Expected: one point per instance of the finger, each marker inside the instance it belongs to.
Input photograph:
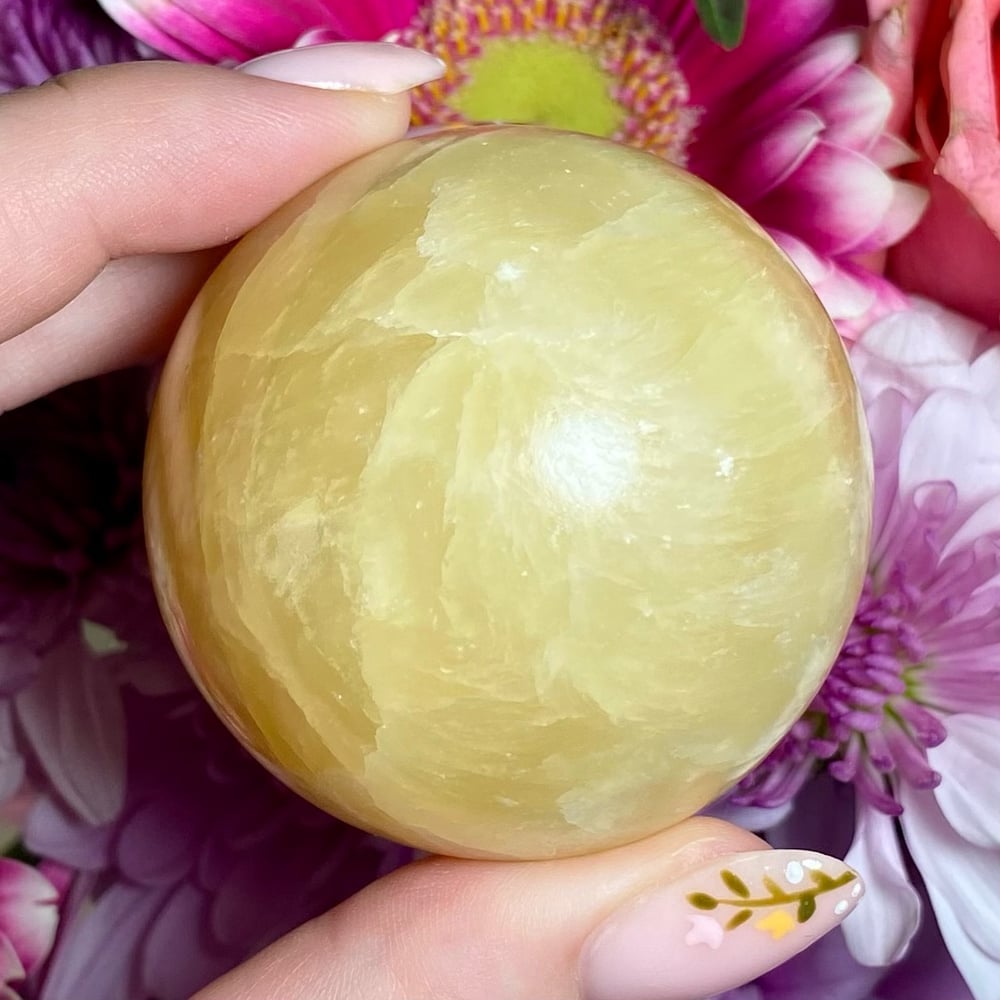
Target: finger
(148, 158)
(637, 923)
(127, 315)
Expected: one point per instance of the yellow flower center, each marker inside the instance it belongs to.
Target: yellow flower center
(598, 66)
(541, 81)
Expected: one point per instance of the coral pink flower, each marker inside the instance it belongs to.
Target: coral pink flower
(941, 62)
(910, 714)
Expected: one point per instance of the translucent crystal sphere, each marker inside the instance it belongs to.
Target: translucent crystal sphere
(508, 493)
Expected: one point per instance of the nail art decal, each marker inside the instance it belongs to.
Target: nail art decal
(779, 903)
(718, 927)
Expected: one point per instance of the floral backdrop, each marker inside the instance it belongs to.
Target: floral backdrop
(864, 137)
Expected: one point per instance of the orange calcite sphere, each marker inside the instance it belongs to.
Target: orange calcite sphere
(508, 493)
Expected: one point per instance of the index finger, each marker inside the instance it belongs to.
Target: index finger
(144, 158)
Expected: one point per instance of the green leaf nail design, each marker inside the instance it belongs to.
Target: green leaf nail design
(772, 887)
(703, 901)
(735, 884)
(821, 880)
(804, 900)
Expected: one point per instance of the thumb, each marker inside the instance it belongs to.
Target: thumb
(699, 909)
(131, 174)
(146, 158)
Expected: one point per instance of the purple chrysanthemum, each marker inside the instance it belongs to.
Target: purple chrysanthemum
(209, 858)
(70, 527)
(42, 38)
(176, 841)
(70, 504)
(910, 714)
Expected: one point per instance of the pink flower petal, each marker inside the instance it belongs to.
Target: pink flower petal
(139, 25)
(28, 911)
(905, 209)
(888, 414)
(951, 255)
(768, 39)
(891, 51)
(805, 75)
(854, 297)
(258, 26)
(157, 844)
(983, 523)
(855, 107)
(970, 789)
(775, 155)
(835, 200)
(11, 762)
(370, 20)
(236, 30)
(320, 36)
(95, 957)
(754, 818)
(952, 438)
(177, 930)
(180, 31)
(11, 969)
(880, 932)
(970, 159)
(985, 376)
(51, 832)
(74, 719)
(890, 152)
(916, 351)
(963, 881)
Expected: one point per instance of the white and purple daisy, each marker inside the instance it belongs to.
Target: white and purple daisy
(910, 714)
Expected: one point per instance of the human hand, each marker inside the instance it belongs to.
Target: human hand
(122, 187)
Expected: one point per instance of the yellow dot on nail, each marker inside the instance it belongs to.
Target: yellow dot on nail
(777, 924)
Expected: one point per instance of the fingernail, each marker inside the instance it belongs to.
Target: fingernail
(718, 927)
(373, 67)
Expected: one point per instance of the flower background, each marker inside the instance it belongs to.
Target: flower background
(138, 830)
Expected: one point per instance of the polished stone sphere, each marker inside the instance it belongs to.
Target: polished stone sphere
(508, 493)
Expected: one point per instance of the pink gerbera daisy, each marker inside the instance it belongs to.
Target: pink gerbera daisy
(788, 124)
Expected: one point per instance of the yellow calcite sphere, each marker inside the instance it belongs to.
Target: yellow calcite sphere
(508, 493)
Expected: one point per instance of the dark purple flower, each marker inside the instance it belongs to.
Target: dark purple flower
(42, 38)
(70, 506)
(208, 857)
(70, 563)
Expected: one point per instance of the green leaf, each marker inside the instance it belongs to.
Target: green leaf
(18, 852)
(739, 918)
(723, 20)
(822, 881)
(703, 901)
(807, 907)
(773, 888)
(735, 884)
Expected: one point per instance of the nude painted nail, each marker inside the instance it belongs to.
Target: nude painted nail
(372, 67)
(718, 927)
